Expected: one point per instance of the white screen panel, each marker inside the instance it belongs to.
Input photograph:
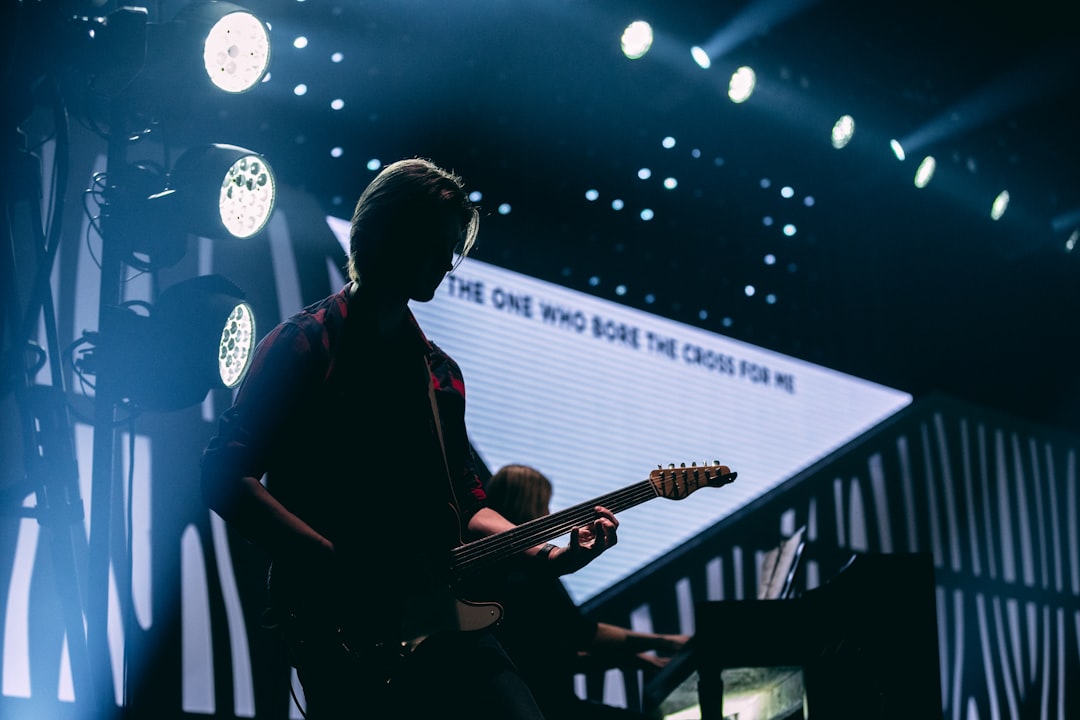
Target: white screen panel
(596, 395)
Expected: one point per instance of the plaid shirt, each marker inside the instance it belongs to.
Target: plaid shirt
(341, 425)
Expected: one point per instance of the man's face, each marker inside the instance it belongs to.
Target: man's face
(435, 246)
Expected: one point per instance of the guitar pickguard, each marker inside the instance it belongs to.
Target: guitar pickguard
(426, 615)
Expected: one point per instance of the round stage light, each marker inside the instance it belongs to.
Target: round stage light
(198, 336)
(236, 53)
(247, 196)
(237, 345)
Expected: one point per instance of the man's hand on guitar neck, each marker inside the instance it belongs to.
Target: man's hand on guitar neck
(587, 541)
(586, 544)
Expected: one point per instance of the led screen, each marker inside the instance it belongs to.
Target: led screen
(597, 394)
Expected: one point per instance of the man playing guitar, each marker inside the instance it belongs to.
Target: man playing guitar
(356, 422)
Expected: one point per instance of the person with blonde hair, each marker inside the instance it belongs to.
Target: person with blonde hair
(345, 457)
(545, 632)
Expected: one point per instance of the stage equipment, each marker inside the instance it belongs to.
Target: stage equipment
(150, 76)
(132, 81)
(123, 53)
(217, 191)
(198, 336)
(231, 45)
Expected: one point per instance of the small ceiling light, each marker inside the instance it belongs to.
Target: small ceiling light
(742, 83)
(700, 57)
(1001, 203)
(925, 171)
(636, 39)
(842, 131)
(898, 149)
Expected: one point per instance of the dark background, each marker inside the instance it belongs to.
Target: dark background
(534, 104)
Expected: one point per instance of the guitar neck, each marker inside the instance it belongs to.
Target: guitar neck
(468, 557)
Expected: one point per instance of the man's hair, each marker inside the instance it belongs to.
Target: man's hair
(402, 192)
(519, 493)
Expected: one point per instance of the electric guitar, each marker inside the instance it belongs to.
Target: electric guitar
(425, 615)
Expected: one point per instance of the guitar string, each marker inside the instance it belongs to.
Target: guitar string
(535, 531)
(496, 547)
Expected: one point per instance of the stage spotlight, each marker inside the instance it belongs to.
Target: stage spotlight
(217, 191)
(232, 45)
(224, 188)
(198, 336)
(125, 55)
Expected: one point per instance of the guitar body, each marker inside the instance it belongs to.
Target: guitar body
(433, 606)
(426, 615)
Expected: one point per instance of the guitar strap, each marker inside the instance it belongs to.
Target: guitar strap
(442, 444)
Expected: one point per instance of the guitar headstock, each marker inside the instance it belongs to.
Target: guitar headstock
(675, 483)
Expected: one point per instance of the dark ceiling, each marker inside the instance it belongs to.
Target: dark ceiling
(534, 104)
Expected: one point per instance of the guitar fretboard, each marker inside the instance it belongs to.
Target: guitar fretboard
(468, 557)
